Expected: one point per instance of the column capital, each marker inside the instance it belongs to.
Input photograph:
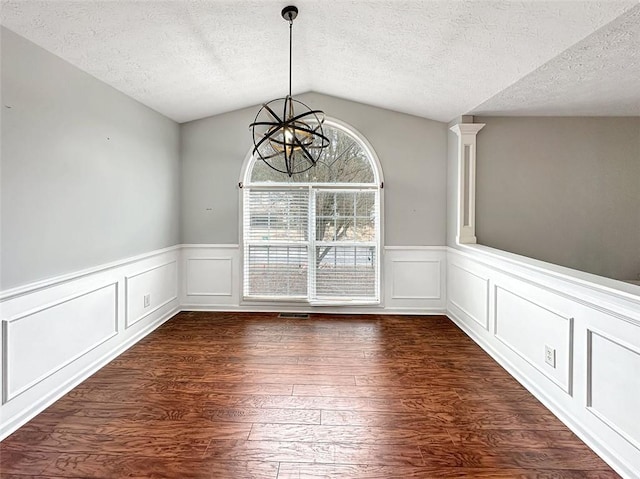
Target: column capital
(462, 129)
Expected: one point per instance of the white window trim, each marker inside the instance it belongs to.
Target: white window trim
(377, 185)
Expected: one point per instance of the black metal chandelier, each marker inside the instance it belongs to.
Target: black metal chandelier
(287, 134)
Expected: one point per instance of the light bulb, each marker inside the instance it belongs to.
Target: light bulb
(289, 136)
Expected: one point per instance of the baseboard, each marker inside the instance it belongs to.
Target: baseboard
(310, 309)
(64, 388)
(613, 460)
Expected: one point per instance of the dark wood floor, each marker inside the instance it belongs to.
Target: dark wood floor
(250, 395)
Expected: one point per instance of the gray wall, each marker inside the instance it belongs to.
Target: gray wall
(412, 152)
(88, 174)
(562, 190)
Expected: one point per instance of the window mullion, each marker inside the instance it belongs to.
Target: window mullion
(311, 267)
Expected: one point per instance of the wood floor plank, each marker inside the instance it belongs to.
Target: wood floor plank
(241, 395)
(365, 471)
(110, 466)
(467, 421)
(505, 439)
(414, 390)
(270, 451)
(524, 457)
(378, 454)
(448, 379)
(268, 415)
(24, 461)
(348, 434)
(203, 428)
(204, 368)
(106, 392)
(68, 406)
(390, 404)
(181, 444)
(200, 375)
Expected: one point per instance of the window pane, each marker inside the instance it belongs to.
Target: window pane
(336, 218)
(325, 228)
(366, 204)
(345, 272)
(276, 271)
(365, 229)
(345, 204)
(325, 204)
(277, 215)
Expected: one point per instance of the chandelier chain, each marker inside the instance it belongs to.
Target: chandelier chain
(290, 49)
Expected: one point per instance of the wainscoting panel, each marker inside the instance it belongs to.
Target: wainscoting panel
(414, 278)
(404, 276)
(468, 291)
(528, 328)
(592, 327)
(39, 342)
(211, 277)
(150, 290)
(57, 332)
(613, 394)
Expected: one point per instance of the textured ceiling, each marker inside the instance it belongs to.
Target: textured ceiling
(598, 76)
(438, 59)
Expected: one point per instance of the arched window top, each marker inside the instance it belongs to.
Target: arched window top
(349, 159)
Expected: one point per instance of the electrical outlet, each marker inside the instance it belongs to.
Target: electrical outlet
(147, 300)
(550, 356)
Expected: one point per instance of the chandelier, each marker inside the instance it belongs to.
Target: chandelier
(287, 134)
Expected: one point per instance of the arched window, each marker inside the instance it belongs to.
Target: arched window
(315, 236)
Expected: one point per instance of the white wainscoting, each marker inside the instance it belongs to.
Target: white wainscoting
(611, 392)
(470, 293)
(59, 332)
(413, 282)
(414, 279)
(211, 277)
(513, 307)
(514, 327)
(56, 333)
(159, 283)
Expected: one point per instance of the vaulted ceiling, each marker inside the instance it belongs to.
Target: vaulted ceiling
(190, 59)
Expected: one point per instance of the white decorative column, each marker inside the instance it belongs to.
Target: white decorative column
(466, 217)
